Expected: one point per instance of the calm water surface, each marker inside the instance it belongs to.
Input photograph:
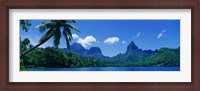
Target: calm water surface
(107, 69)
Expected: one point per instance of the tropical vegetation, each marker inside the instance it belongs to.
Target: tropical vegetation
(55, 57)
(34, 56)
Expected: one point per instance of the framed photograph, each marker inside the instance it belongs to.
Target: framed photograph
(100, 45)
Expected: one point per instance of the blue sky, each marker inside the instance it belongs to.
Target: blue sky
(113, 36)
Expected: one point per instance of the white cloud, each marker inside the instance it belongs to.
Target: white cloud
(138, 34)
(161, 33)
(98, 42)
(75, 36)
(85, 42)
(111, 40)
(124, 42)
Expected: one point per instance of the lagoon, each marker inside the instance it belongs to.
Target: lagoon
(154, 68)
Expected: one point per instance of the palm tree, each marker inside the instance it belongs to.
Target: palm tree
(54, 27)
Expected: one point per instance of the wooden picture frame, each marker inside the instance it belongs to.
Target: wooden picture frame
(99, 4)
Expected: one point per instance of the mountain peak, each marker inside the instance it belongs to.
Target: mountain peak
(77, 48)
(76, 44)
(132, 46)
(94, 50)
(132, 43)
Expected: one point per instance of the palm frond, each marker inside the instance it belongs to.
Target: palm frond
(63, 21)
(46, 35)
(44, 25)
(67, 39)
(69, 21)
(56, 37)
(72, 27)
(68, 31)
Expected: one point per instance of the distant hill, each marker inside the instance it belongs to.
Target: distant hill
(93, 52)
(78, 49)
(133, 54)
(164, 57)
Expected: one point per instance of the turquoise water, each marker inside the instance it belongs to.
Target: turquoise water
(107, 69)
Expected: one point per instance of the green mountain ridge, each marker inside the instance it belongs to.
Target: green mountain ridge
(133, 54)
(164, 57)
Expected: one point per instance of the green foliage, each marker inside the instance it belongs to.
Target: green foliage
(22, 47)
(25, 25)
(131, 56)
(53, 57)
(25, 45)
(74, 60)
(22, 67)
(48, 57)
(165, 57)
(26, 41)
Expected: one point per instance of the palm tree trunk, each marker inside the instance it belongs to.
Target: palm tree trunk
(24, 53)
